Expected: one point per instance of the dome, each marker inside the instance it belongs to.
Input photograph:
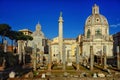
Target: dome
(96, 24)
(96, 18)
(38, 31)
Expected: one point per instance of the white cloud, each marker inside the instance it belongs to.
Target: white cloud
(115, 25)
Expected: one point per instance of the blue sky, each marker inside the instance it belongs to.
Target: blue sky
(22, 14)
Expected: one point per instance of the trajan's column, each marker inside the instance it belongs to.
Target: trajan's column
(60, 36)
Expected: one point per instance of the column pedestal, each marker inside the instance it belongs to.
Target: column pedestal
(78, 67)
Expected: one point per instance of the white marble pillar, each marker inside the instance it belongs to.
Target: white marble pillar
(105, 59)
(34, 56)
(49, 58)
(5, 45)
(23, 51)
(118, 57)
(77, 57)
(20, 50)
(68, 56)
(101, 57)
(91, 58)
(60, 35)
(41, 56)
(64, 58)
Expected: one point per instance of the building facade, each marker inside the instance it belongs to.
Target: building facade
(26, 31)
(38, 39)
(69, 49)
(116, 38)
(96, 34)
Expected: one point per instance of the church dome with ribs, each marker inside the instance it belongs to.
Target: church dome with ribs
(96, 24)
(96, 17)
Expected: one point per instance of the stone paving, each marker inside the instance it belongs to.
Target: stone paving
(65, 78)
(82, 74)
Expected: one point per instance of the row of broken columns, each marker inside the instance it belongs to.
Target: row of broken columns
(105, 58)
(78, 58)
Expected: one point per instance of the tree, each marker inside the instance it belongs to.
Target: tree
(21, 36)
(15, 35)
(4, 28)
(12, 35)
(24, 38)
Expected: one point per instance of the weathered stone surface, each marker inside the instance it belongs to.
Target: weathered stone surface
(29, 75)
(108, 71)
(76, 76)
(43, 75)
(94, 75)
(88, 67)
(12, 74)
(109, 75)
(69, 64)
(65, 74)
(83, 74)
(48, 73)
(52, 76)
(101, 75)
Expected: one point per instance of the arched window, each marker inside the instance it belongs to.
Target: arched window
(88, 33)
(98, 32)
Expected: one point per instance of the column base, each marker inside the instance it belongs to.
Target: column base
(49, 67)
(78, 67)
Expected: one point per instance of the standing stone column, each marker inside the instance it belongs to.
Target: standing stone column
(23, 51)
(91, 58)
(118, 58)
(105, 60)
(77, 57)
(101, 58)
(41, 56)
(5, 45)
(20, 51)
(34, 56)
(64, 58)
(49, 58)
(60, 37)
(59, 57)
(68, 55)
